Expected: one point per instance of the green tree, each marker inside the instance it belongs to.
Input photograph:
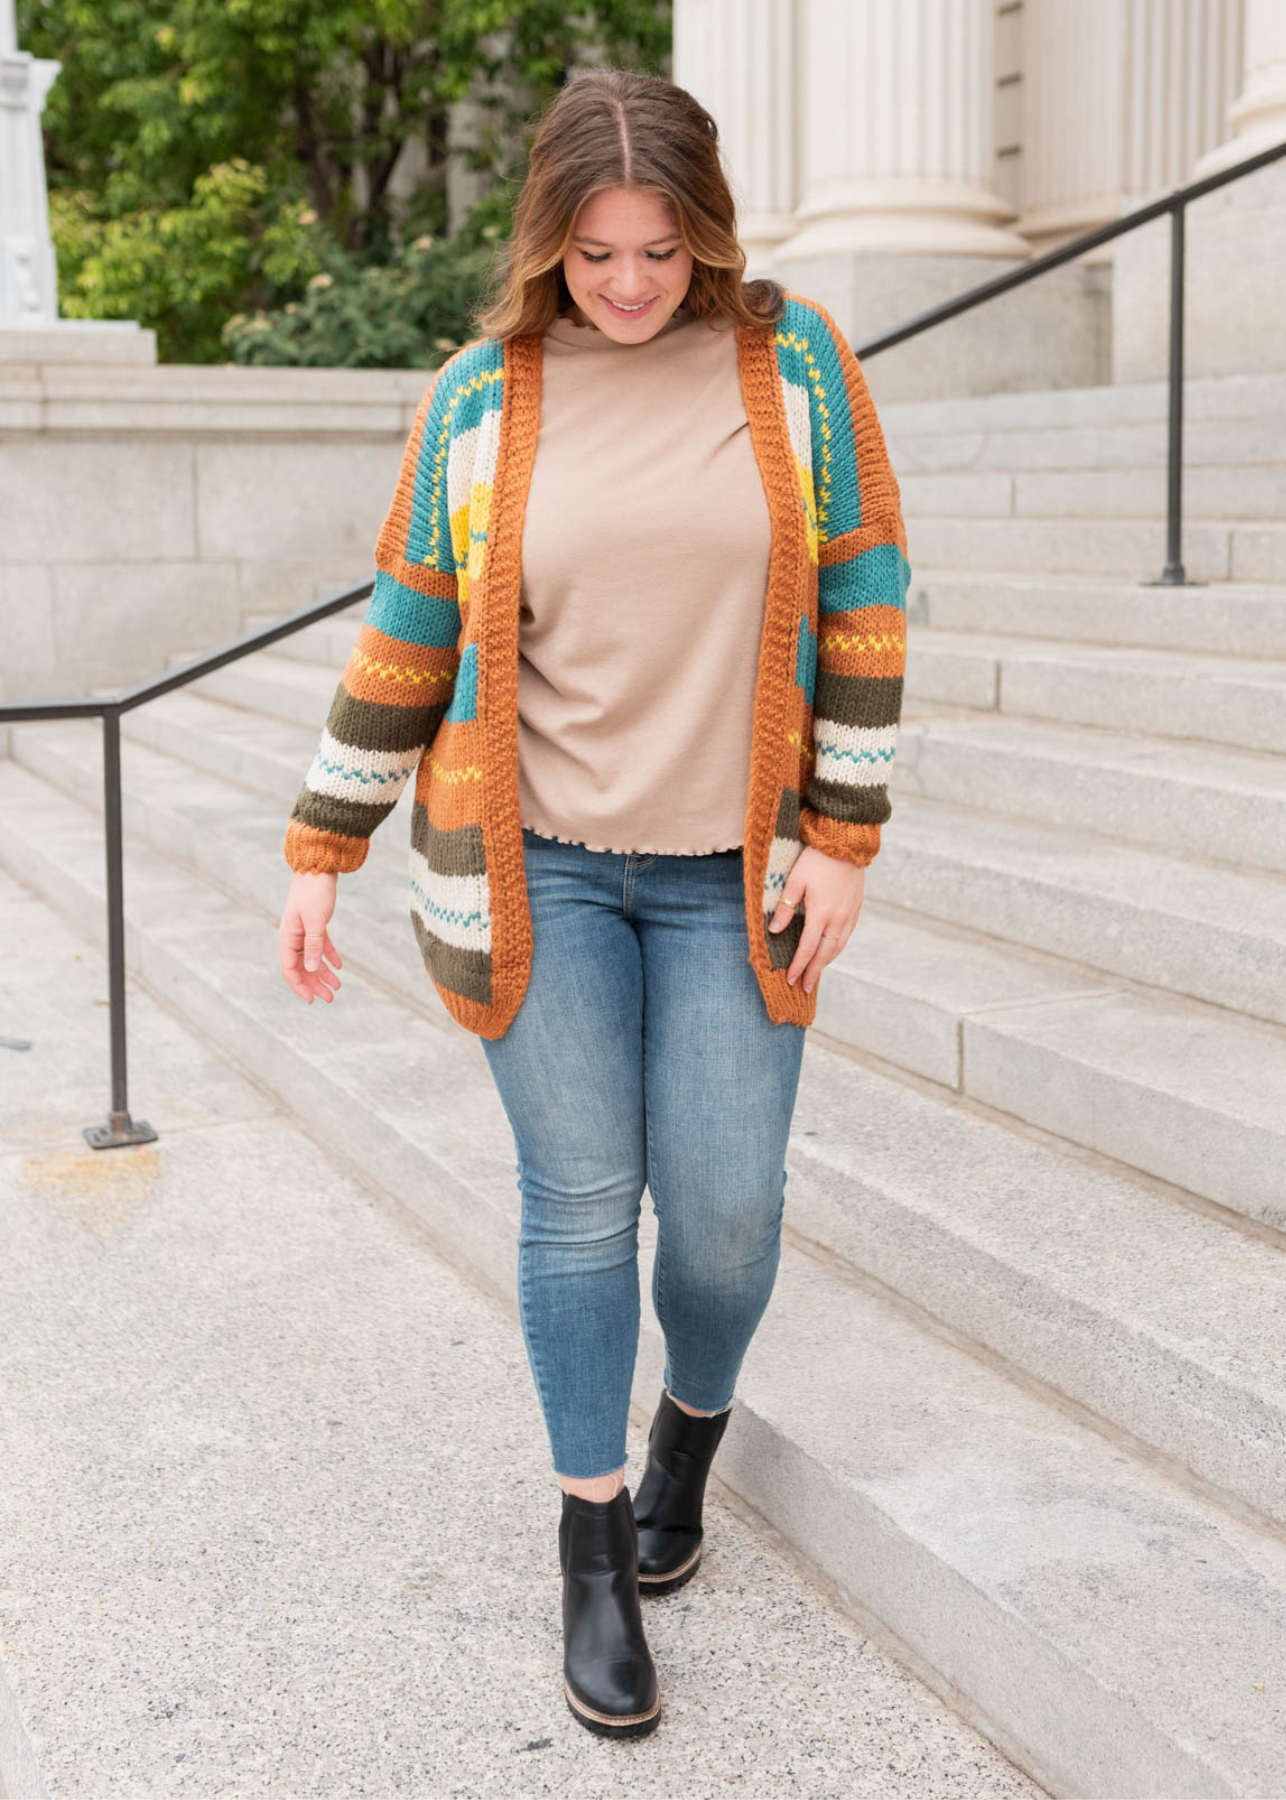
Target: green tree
(209, 158)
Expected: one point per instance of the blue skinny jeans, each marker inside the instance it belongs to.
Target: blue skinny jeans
(642, 1055)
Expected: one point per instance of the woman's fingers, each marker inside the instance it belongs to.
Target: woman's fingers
(306, 953)
(826, 950)
(825, 888)
(811, 955)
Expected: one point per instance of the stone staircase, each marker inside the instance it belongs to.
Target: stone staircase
(1021, 1391)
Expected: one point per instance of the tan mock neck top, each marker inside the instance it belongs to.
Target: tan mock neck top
(644, 576)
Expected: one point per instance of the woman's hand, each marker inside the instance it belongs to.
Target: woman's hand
(832, 888)
(303, 938)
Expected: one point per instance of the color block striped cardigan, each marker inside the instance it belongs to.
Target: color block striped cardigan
(430, 689)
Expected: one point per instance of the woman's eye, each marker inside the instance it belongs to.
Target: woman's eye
(653, 256)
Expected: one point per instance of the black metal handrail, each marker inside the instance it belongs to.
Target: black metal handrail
(1176, 204)
(120, 1128)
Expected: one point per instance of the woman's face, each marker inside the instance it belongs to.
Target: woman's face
(626, 254)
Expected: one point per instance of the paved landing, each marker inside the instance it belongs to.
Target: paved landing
(276, 1512)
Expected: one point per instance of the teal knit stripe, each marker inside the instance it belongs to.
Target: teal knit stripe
(813, 362)
(365, 776)
(400, 612)
(880, 576)
(469, 385)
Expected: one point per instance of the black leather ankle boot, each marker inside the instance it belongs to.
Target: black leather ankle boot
(667, 1506)
(608, 1670)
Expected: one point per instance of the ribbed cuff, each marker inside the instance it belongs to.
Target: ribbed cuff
(856, 844)
(312, 852)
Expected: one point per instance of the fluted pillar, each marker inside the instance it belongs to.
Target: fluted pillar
(896, 105)
(1235, 256)
(1118, 98)
(738, 58)
(1257, 117)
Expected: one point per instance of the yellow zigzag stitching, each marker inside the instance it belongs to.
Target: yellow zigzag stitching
(795, 737)
(472, 773)
(474, 385)
(874, 640)
(793, 342)
(388, 671)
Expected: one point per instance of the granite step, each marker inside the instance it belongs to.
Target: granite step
(1195, 928)
(1188, 1092)
(1166, 794)
(1214, 444)
(202, 821)
(1221, 618)
(1241, 489)
(267, 754)
(1227, 549)
(1116, 1631)
(1237, 701)
(1143, 791)
(299, 692)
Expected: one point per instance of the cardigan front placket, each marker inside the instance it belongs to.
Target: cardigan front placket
(496, 597)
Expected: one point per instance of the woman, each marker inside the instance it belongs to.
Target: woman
(646, 785)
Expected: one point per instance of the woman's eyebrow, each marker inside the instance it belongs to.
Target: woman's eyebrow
(578, 239)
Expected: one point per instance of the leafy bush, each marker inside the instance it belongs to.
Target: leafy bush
(183, 268)
(409, 313)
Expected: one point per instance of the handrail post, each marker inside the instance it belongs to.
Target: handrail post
(120, 1128)
(1173, 573)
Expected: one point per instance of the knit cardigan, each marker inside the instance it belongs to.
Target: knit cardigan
(430, 688)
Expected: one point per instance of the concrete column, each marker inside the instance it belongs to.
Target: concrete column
(896, 111)
(1119, 96)
(739, 59)
(898, 210)
(1235, 264)
(1257, 117)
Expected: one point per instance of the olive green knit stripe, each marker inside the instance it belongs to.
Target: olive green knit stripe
(465, 972)
(864, 805)
(375, 725)
(783, 944)
(787, 825)
(347, 818)
(456, 852)
(870, 701)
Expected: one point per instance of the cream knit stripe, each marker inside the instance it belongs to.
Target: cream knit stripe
(853, 755)
(455, 908)
(351, 772)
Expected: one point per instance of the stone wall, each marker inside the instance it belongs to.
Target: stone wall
(145, 510)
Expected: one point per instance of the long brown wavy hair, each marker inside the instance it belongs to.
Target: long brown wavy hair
(610, 128)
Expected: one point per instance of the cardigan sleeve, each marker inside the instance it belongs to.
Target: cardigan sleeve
(398, 681)
(863, 575)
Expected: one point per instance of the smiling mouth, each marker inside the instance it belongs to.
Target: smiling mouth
(628, 312)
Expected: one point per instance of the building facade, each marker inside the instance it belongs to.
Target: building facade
(890, 153)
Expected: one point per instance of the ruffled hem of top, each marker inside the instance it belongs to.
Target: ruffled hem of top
(638, 850)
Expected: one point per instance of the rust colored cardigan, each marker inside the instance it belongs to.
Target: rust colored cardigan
(430, 689)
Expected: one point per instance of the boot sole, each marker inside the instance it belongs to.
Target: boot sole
(673, 1578)
(613, 1724)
